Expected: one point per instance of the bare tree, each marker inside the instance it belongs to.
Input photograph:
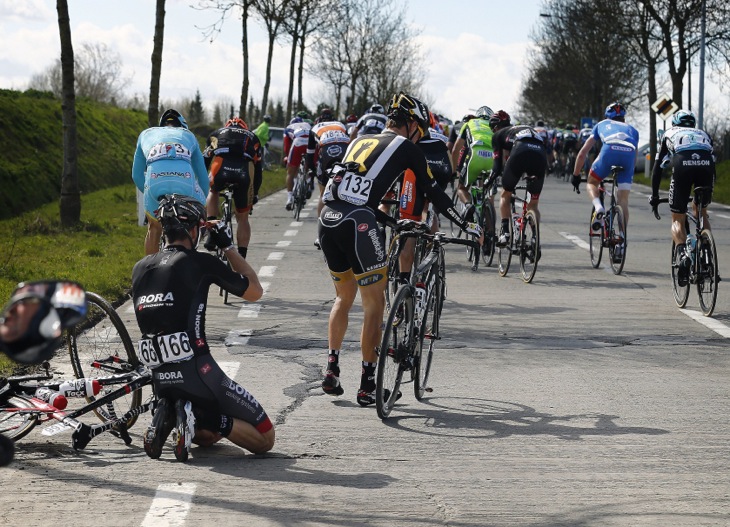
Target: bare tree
(153, 108)
(225, 7)
(70, 203)
(272, 13)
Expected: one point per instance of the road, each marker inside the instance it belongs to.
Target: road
(582, 399)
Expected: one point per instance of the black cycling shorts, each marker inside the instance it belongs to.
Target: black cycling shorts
(690, 168)
(529, 158)
(202, 382)
(230, 172)
(352, 243)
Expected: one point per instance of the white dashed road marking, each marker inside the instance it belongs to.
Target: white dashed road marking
(291, 232)
(576, 240)
(715, 325)
(249, 311)
(283, 243)
(267, 270)
(275, 256)
(170, 505)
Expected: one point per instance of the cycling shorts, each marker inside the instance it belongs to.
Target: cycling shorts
(233, 173)
(480, 158)
(352, 243)
(159, 186)
(570, 144)
(607, 157)
(296, 153)
(527, 157)
(201, 381)
(328, 155)
(690, 168)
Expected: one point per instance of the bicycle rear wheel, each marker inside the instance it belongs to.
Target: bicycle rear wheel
(103, 337)
(455, 229)
(476, 217)
(707, 272)
(681, 292)
(227, 218)
(300, 197)
(529, 247)
(617, 240)
(504, 254)
(15, 425)
(429, 333)
(488, 218)
(595, 240)
(395, 348)
(393, 271)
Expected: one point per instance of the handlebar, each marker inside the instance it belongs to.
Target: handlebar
(655, 209)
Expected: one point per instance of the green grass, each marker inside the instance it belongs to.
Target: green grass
(99, 253)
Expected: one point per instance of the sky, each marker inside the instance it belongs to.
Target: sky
(475, 50)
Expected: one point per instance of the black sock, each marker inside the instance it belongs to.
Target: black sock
(226, 425)
(367, 381)
(333, 360)
(211, 218)
(243, 251)
(505, 225)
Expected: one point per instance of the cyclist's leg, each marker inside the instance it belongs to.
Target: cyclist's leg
(154, 233)
(212, 206)
(599, 170)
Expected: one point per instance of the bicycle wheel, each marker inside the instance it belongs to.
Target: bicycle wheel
(504, 254)
(15, 425)
(102, 336)
(428, 335)
(617, 240)
(707, 272)
(488, 218)
(595, 241)
(393, 271)
(529, 247)
(300, 197)
(227, 217)
(455, 229)
(395, 348)
(475, 217)
(681, 292)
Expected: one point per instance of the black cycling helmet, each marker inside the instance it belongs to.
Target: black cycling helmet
(377, 108)
(615, 110)
(407, 107)
(172, 117)
(267, 118)
(540, 123)
(325, 115)
(501, 118)
(180, 213)
(468, 117)
(684, 118)
(484, 112)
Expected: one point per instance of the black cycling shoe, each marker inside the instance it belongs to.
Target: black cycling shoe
(163, 421)
(331, 383)
(184, 431)
(365, 398)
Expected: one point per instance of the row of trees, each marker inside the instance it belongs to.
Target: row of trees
(590, 52)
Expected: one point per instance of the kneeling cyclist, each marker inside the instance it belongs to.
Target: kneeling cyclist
(170, 290)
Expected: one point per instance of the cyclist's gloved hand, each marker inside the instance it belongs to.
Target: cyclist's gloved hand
(575, 181)
(654, 201)
(255, 200)
(474, 229)
(221, 235)
(406, 225)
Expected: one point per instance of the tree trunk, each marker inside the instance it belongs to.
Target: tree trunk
(290, 93)
(153, 110)
(300, 73)
(244, 46)
(267, 83)
(70, 203)
(652, 119)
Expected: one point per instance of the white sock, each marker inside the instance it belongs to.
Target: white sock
(597, 204)
(289, 194)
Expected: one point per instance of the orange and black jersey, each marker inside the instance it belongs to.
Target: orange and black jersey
(373, 163)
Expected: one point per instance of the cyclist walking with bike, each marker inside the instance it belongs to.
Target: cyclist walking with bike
(164, 160)
(351, 240)
(619, 141)
(517, 150)
(688, 150)
(170, 292)
(234, 152)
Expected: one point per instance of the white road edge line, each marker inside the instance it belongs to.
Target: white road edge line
(710, 323)
(170, 505)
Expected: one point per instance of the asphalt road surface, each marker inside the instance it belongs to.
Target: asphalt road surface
(582, 399)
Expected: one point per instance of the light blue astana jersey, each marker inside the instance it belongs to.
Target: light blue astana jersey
(168, 160)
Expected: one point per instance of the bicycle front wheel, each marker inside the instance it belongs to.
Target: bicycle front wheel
(488, 228)
(617, 240)
(393, 270)
(504, 254)
(595, 240)
(529, 247)
(15, 425)
(103, 338)
(681, 292)
(429, 334)
(707, 272)
(455, 229)
(395, 349)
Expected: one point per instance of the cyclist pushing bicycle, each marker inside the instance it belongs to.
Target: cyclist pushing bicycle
(170, 291)
(232, 152)
(688, 150)
(351, 240)
(518, 150)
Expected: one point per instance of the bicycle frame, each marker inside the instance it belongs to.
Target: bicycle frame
(611, 234)
(519, 222)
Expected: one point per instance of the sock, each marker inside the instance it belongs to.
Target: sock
(333, 362)
(211, 218)
(226, 425)
(505, 224)
(243, 251)
(367, 381)
(289, 193)
(597, 204)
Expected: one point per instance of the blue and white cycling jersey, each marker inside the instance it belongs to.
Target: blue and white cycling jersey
(618, 147)
(168, 160)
